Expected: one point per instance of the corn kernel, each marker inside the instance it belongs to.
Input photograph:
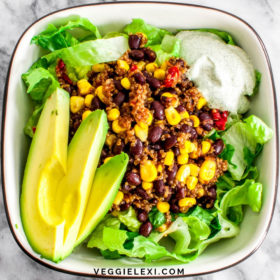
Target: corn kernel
(195, 120)
(163, 207)
(141, 65)
(148, 171)
(200, 192)
(207, 170)
(150, 118)
(169, 158)
(184, 115)
(86, 114)
(162, 228)
(111, 139)
(159, 74)
(116, 127)
(141, 131)
(183, 159)
(84, 87)
(107, 159)
(164, 65)
(201, 102)
(172, 115)
(122, 64)
(183, 173)
(100, 94)
(147, 185)
(188, 147)
(194, 169)
(187, 202)
(159, 168)
(119, 198)
(98, 67)
(205, 147)
(191, 182)
(125, 83)
(76, 103)
(113, 114)
(151, 67)
(88, 99)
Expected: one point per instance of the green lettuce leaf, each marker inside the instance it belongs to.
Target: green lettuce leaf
(129, 219)
(55, 38)
(225, 36)
(169, 47)
(154, 34)
(245, 136)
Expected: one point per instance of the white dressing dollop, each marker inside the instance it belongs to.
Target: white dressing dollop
(223, 73)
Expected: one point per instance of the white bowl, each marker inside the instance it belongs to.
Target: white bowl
(112, 17)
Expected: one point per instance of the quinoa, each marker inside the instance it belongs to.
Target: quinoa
(147, 134)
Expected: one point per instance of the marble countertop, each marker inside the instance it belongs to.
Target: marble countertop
(16, 15)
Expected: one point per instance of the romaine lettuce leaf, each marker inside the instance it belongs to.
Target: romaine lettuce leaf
(129, 219)
(55, 38)
(245, 135)
(225, 36)
(154, 34)
(156, 217)
(169, 47)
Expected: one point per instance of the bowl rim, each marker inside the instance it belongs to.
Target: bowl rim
(4, 109)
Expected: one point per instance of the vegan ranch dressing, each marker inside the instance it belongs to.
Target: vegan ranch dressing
(223, 73)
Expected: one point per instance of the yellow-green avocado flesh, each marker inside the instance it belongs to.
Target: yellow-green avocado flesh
(105, 186)
(57, 183)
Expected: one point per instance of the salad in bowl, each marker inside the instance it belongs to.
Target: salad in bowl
(141, 142)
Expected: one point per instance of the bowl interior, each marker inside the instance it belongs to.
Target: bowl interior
(112, 17)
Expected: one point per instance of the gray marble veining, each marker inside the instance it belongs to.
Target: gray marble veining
(16, 15)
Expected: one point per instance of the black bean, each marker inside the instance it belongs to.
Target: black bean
(181, 109)
(119, 98)
(189, 129)
(158, 110)
(176, 151)
(204, 116)
(141, 192)
(95, 103)
(207, 126)
(145, 229)
(146, 74)
(170, 142)
(174, 206)
(212, 193)
(133, 179)
(150, 55)
(155, 133)
(181, 62)
(118, 85)
(134, 41)
(218, 146)
(139, 78)
(171, 90)
(153, 82)
(155, 147)
(137, 148)
(171, 174)
(124, 206)
(118, 147)
(159, 187)
(136, 54)
(142, 216)
(181, 193)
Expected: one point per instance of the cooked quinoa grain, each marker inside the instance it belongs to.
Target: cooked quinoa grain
(159, 118)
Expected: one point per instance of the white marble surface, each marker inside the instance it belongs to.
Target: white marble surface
(263, 15)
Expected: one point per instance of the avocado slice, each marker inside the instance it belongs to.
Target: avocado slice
(82, 160)
(57, 183)
(45, 167)
(104, 189)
